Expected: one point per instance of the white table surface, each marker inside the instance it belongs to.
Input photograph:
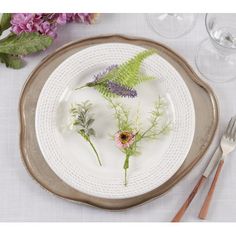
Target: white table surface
(21, 199)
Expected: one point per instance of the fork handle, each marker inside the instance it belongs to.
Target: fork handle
(205, 207)
(186, 204)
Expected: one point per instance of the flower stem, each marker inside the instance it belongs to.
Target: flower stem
(84, 86)
(126, 167)
(126, 182)
(94, 149)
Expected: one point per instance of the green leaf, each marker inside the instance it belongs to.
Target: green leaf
(5, 22)
(24, 44)
(143, 78)
(11, 61)
(91, 132)
(90, 122)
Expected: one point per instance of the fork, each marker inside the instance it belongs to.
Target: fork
(227, 144)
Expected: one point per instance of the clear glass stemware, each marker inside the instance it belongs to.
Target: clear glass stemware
(216, 55)
(171, 25)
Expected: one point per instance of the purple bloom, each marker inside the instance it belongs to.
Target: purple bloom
(48, 29)
(100, 75)
(81, 17)
(113, 87)
(28, 22)
(25, 22)
(62, 19)
(46, 23)
(121, 90)
(59, 18)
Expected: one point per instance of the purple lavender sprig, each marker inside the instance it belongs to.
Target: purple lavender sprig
(121, 90)
(111, 86)
(101, 74)
(97, 78)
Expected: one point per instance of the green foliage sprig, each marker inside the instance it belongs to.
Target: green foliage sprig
(131, 128)
(119, 81)
(81, 122)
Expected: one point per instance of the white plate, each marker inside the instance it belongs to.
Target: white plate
(71, 158)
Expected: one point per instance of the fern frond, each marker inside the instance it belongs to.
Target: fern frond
(104, 91)
(143, 78)
(128, 73)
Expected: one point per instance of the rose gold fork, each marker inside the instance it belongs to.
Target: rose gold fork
(227, 147)
(228, 144)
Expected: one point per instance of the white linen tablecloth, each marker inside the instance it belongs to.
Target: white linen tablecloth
(21, 199)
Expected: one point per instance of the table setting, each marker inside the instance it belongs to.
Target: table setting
(121, 117)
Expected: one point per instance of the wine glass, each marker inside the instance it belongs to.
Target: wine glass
(216, 55)
(171, 25)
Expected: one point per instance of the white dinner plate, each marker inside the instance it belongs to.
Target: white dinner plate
(72, 159)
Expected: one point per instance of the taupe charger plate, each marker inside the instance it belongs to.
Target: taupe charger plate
(206, 112)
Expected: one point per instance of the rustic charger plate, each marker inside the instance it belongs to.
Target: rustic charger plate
(203, 98)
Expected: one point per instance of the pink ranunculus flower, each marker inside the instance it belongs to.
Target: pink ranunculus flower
(124, 139)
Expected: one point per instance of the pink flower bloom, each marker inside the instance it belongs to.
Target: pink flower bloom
(62, 19)
(82, 17)
(59, 18)
(46, 23)
(48, 29)
(88, 18)
(25, 22)
(28, 22)
(124, 139)
(70, 17)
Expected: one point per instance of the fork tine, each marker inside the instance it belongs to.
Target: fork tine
(228, 129)
(233, 131)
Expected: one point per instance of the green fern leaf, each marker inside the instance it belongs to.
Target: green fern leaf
(143, 78)
(128, 74)
(103, 89)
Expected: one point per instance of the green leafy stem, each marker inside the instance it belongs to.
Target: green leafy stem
(87, 138)
(155, 130)
(81, 121)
